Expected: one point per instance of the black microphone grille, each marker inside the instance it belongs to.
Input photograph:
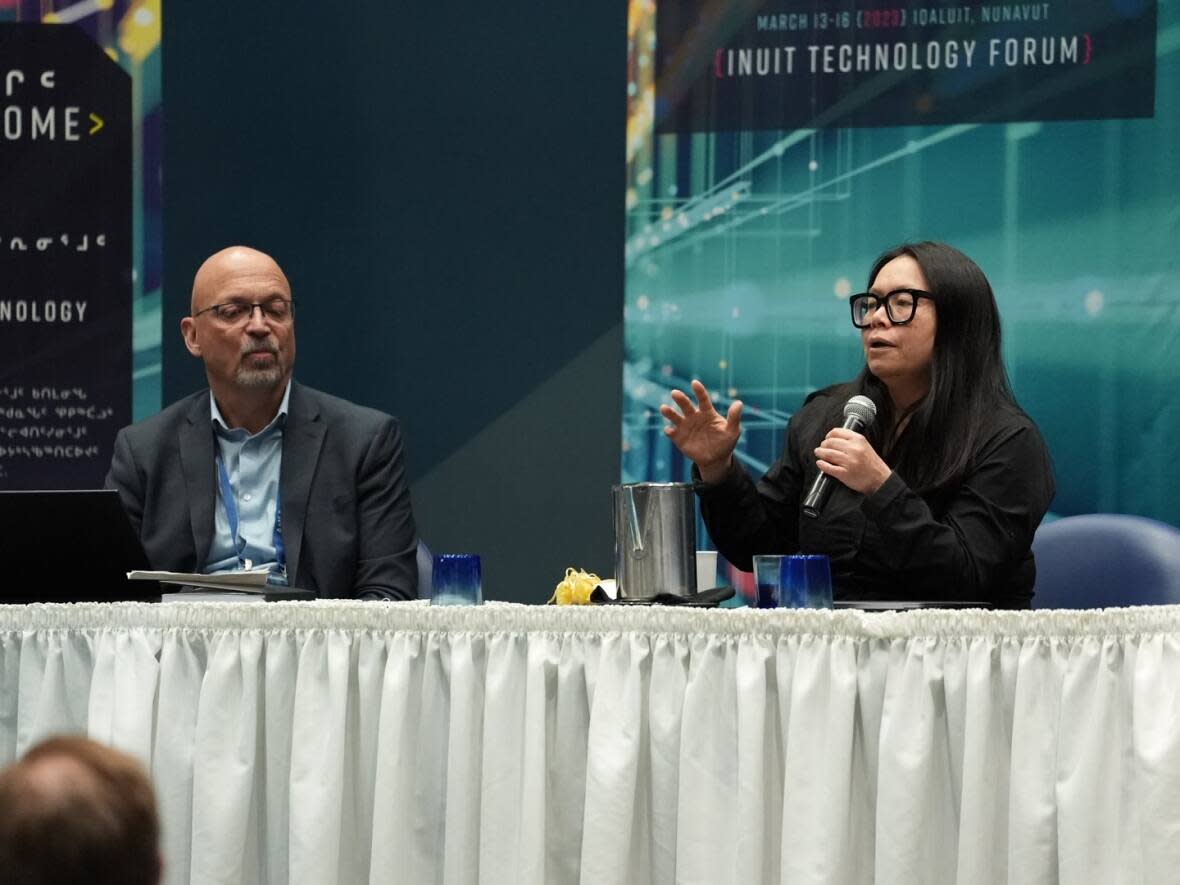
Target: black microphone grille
(863, 408)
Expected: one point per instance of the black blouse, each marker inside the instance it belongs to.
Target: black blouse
(969, 541)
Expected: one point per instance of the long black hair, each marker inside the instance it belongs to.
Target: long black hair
(967, 375)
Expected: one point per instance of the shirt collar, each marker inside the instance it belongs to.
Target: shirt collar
(219, 422)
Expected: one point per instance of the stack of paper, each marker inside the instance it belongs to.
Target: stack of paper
(244, 586)
(249, 581)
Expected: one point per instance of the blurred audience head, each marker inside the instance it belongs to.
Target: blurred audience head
(73, 811)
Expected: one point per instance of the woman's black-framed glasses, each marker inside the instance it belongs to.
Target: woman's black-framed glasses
(277, 310)
(900, 305)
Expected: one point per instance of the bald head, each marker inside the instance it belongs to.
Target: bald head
(220, 269)
(242, 327)
(54, 774)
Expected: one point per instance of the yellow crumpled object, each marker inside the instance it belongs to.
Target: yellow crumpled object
(576, 588)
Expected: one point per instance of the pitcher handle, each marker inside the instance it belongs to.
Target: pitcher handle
(633, 519)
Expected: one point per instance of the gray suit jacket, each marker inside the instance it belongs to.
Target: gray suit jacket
(347, 525)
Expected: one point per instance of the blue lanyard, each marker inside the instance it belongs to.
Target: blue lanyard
(231, 513)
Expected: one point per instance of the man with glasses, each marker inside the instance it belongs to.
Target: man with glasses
(259, 471)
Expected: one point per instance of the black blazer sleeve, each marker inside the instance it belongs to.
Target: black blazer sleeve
(126, 478)
(387, 542)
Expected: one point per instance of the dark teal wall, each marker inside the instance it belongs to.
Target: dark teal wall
(443, 184)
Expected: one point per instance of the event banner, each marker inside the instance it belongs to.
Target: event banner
(67, 255)
(782, 63)
(775, 148)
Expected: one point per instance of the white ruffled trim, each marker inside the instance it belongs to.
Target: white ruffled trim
(492, 618)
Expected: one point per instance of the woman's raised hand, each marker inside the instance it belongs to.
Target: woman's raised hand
(704, 435)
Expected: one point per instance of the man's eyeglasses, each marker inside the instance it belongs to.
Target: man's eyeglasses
(277, 310)
(900, 305)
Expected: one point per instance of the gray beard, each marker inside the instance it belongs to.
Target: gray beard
(255, 378)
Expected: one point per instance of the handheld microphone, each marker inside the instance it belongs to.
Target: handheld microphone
(859, 414)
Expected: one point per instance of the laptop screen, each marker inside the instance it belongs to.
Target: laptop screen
(69, 546)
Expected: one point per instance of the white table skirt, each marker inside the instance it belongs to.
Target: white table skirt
(341, 742)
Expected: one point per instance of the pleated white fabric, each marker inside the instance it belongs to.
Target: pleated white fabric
(341, 742)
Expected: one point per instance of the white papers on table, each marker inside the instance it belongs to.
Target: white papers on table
(246, 581)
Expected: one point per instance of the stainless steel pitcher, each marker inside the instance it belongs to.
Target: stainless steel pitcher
(655, 538)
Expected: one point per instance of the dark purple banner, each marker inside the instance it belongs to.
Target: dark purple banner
(785, 65)
(65, 257)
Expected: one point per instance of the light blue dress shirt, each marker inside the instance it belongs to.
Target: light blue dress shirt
(253, 465)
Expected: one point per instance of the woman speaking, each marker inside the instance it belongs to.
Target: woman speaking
(939, 497)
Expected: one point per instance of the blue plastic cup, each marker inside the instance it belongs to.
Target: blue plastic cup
(810, 581)
(769, 580)
(793, 581)
(457, 579)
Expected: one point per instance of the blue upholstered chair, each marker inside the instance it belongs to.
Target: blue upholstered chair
(1101, 560)
(425, 571)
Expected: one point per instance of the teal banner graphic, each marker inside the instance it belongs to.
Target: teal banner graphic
(744, 242)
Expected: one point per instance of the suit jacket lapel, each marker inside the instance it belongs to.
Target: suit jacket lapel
(197, 465)
(303, 437)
